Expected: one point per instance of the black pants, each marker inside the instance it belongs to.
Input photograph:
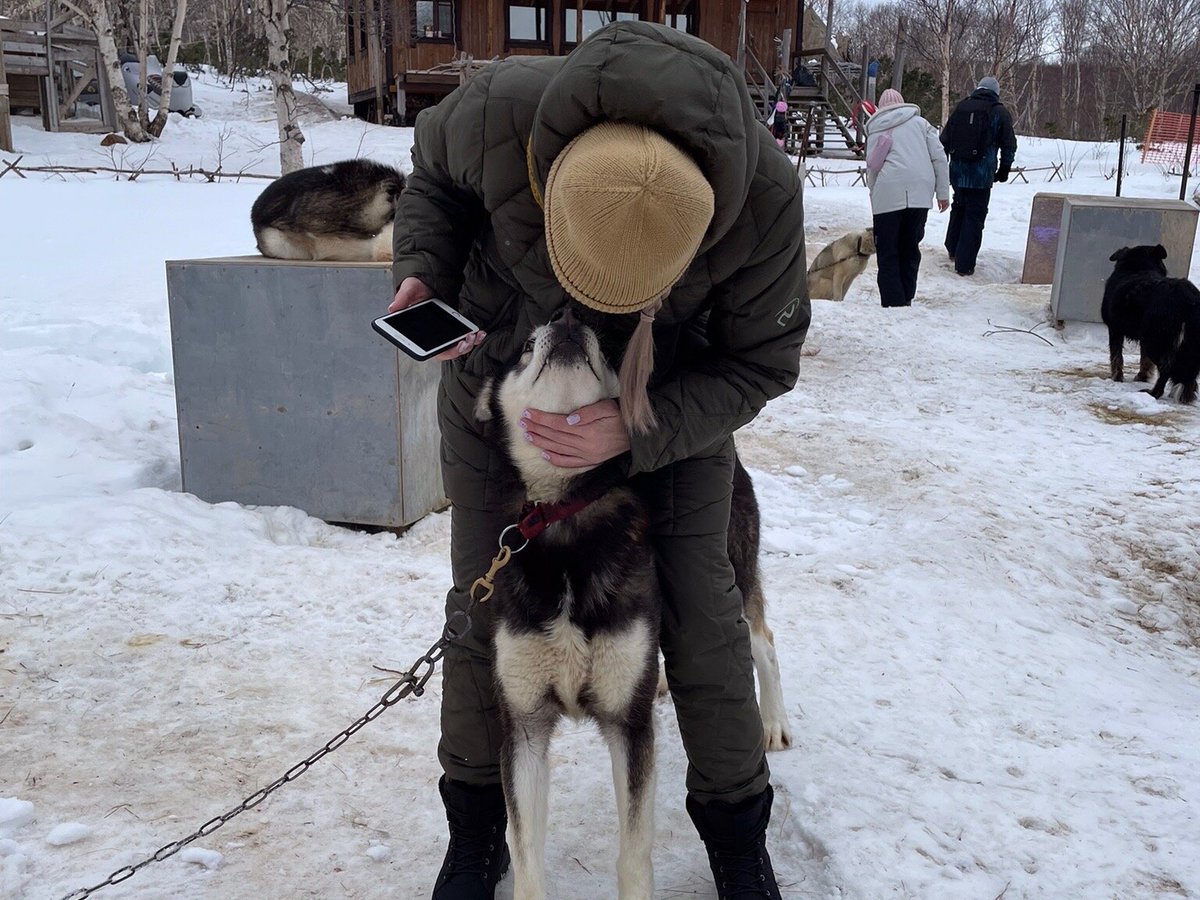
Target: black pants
(705, 638)
(898, 252)
(965, 233)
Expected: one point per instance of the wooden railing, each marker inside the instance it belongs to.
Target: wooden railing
(49, 51)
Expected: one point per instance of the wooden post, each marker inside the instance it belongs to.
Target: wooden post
(827, 56)
(375, 61)
(49, 88)
(108, 111)
(898, 56)
(6, 140)
(741, 45)
(785, 53)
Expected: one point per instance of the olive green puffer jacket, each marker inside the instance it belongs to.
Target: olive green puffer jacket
(470, 225)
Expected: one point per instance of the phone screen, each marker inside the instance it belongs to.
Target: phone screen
(427, 325)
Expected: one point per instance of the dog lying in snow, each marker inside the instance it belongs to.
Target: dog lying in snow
(592, 651)
(834, 269)
(342, 211)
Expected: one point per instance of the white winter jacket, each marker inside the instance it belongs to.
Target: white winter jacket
(915, 169)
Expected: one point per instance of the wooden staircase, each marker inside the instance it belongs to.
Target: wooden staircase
(825, 119)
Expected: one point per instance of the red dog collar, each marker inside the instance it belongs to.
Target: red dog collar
(537, 517)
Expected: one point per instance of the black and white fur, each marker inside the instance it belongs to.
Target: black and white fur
(577, 613)
(1162, 314)
(342, 211)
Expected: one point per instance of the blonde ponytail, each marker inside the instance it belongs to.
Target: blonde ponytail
(636, 367)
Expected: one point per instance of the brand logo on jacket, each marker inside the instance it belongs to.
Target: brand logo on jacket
(788, 312)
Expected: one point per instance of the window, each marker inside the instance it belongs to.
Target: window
(681, 15)
(434, 19)
(596, 15)
(363, 11)
(528, 22)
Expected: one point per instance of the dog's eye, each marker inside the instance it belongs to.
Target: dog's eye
(528, 348)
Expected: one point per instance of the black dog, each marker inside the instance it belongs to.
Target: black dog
(1162, 314)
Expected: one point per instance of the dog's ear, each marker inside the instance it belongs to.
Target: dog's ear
(1118, 255)
(1160, 252)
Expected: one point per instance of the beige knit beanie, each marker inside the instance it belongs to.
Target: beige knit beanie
(625, 213)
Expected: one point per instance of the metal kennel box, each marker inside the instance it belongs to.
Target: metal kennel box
(287, 397)
(1041, 240)
(1093, 227)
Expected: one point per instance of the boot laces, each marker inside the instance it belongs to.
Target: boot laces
(472, 852)
(741, 873)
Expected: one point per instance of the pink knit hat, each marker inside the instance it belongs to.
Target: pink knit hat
(890, 97)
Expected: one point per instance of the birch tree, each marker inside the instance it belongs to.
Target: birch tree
(106, 35)
(1073, 26)
(938, 33)
(274, 14)
(168, 75)
(1153, 43)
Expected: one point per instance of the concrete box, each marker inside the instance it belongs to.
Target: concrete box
(287, 397)
(1092, 228)
(1041, 241)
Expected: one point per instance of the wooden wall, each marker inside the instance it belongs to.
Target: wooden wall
(482, 33)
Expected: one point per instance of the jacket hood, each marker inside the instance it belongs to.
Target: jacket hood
(891, 116)
(985, 94)
(701, 103)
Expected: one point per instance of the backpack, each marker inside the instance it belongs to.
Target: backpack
(968, 133)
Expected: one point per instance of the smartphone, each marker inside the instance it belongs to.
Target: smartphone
(425, 329)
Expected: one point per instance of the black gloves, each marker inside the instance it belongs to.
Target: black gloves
(1002, 175)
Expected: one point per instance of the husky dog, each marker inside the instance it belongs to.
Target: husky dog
(577, 611)
(342, 211)
(1162, 314)
(837, 265)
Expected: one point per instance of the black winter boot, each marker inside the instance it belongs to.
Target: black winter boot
(735, 835)
(477, 857)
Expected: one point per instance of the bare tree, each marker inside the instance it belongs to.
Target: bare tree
(1007, 38)
(98, 12)
(938, 33)
(1073, 31)
(156, 126)
(870, 25)
(1152, 42)
(274, 15)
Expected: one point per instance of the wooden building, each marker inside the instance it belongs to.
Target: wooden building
(47, 66)
(405, 55)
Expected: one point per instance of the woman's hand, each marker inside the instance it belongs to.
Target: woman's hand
(413, 290)
(587, 437)
(943, 205)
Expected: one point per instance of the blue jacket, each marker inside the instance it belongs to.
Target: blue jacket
(981, 173)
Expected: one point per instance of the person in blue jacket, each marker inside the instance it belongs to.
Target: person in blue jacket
(978, 158)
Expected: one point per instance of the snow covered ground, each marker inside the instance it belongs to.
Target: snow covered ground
(981, 559)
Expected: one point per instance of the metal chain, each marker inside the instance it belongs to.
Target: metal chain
(458, 623)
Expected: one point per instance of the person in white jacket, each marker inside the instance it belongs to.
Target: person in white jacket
(906, 168)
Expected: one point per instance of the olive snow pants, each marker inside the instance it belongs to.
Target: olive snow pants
(705, 638)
